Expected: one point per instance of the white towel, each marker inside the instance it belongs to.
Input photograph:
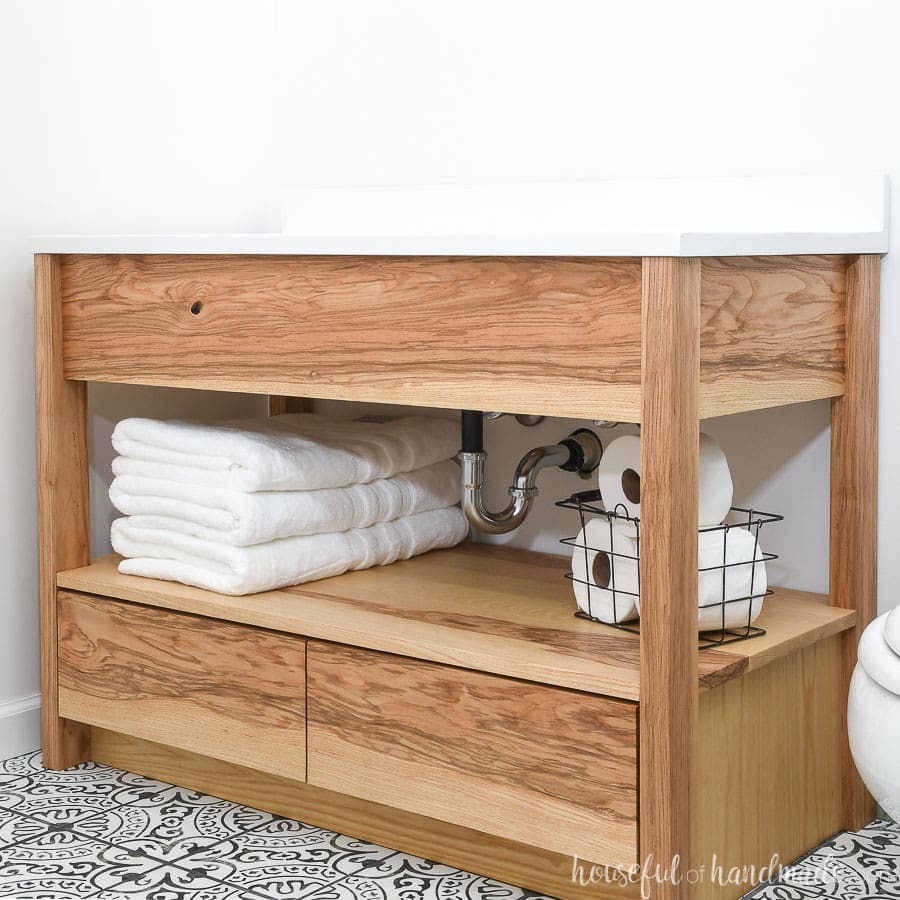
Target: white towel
(298, 452)
(245, 570)
(242, 518)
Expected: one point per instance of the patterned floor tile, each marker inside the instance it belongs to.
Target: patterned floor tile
(412, 878)
(173, 823)
(863, 865)
(286, 859)
(172, 883)
(66, 862)
(75, 794)
(15, 828)
(26, 764)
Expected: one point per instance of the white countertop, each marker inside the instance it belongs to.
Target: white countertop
(765, 215)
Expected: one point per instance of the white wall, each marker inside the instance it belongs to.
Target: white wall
(408, 92)
(113, 117)
(181, 116)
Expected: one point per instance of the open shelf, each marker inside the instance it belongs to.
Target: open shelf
(476, 606)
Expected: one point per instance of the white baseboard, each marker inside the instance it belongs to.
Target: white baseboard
(20, 726)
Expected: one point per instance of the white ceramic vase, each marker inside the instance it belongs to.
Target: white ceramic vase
(873, 714)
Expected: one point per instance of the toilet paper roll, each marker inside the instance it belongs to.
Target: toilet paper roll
(619, 476)
(605, 570)
(619, 479)
(719, 599)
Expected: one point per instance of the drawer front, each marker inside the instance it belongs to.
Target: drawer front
(546, 766)
(233, 692)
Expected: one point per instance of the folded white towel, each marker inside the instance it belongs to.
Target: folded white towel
(245, 570)
(298, 452)
(241, 518)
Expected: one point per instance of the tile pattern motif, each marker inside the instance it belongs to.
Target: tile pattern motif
(862, 865)
(104, 834)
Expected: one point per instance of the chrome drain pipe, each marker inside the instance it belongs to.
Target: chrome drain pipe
(580, 452)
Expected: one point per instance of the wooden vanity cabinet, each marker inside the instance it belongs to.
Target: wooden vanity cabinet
(451, 705)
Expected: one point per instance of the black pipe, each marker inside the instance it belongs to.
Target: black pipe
(472, 431)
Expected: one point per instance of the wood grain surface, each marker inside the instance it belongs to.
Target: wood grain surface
(63, 500)
(669, 473)
(539, 765)
(854, 491)
(523, 334)
(278, 405)
(463, 848)
(234, 692)
(771, 331)
(492, 608)
(770, 764)
(528, 334)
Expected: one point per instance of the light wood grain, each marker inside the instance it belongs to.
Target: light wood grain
(543, 766)
(459, 332)
(278, 405)
(771, 331)
(669, 466)
(770, 763)
(234, 692)
(792, 620)
(491, 608)
(854, 490)
(463, 848)
(499, 333)
(63, 501)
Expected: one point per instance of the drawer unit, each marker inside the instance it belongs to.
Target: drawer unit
(233, 692)
(545, 766)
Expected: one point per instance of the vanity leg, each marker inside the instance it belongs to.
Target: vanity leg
(854, 494)
(63, 502)
(669, 721)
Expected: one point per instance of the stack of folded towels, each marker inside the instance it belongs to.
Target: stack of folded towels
(257, 505)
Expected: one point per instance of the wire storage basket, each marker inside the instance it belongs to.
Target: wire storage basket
(731, 570)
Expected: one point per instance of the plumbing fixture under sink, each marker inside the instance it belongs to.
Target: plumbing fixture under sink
(580, 452)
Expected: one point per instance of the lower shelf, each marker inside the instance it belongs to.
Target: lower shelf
(477, 606)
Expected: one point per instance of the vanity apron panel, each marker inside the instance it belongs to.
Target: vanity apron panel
(522, 334)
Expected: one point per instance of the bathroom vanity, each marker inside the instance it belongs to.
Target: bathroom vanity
(452, 705)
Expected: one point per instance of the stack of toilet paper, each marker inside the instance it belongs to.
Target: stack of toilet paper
(605, 561)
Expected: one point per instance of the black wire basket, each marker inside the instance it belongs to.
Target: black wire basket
(722, 621)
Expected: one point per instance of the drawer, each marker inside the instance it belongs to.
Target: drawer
(545, 766)
(233, 692)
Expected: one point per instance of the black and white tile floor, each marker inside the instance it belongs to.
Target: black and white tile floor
(860, 865)
(100, 833)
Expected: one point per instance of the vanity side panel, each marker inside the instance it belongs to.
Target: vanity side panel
(554, 336)
(770, 763)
